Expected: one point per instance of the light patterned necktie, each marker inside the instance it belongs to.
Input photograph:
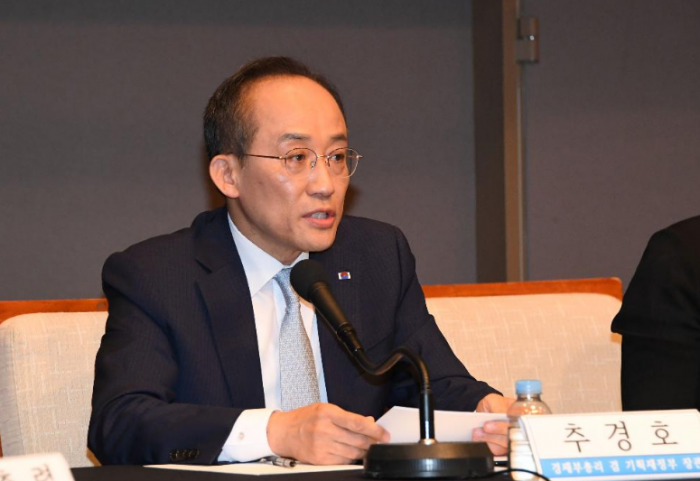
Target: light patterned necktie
(297, 367)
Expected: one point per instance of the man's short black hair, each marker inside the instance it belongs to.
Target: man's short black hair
(228, 121)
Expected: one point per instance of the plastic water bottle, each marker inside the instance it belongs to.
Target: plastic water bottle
(528, 402)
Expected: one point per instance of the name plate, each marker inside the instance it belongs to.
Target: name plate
(616, 446)
(35, 467)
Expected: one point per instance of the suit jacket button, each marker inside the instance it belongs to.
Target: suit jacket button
(192, 453)
(176, 455)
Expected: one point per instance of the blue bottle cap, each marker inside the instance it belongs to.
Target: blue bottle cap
(528, 386)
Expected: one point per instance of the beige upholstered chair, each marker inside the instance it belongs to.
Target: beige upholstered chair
(555, 331)
(47, 362)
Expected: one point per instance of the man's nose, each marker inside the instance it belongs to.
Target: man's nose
(321, 180)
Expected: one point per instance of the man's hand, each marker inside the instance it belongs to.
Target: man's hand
(323, 434)
(494, 433)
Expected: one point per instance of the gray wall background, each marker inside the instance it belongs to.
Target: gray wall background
(100, 106)
(101, 102)
(612, 119)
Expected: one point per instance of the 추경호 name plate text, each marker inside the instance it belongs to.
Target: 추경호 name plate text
(616, 446)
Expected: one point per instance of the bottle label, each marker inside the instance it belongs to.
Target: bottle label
(658, 444)
(520, 454)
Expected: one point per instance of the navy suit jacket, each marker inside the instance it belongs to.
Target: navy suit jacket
(179, 360)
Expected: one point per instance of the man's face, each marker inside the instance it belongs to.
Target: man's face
(282, 214)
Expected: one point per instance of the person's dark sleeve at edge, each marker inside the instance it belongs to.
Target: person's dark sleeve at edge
(660, 323)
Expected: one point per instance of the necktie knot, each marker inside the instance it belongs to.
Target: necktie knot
(290, 296)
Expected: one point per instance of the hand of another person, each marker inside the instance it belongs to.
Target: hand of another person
(323, 434)
(494, 433)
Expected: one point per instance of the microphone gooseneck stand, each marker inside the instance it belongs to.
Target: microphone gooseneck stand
(427, 458)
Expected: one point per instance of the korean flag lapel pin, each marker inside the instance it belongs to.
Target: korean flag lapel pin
(344, 275)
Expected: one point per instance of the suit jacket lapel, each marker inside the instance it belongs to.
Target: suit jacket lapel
(230, 311)
(339, 369)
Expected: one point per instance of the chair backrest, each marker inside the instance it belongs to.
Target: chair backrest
(555, 331)
(47, 363)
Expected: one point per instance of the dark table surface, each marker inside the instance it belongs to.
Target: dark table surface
(139, 473)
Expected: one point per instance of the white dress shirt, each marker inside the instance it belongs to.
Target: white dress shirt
(248, 438)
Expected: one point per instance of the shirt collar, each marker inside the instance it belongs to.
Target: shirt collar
(259, 266)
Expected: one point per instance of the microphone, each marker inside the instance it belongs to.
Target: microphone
(311, 282)
(425, 459)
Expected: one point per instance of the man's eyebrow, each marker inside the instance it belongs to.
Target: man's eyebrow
(293, 136)
(339, 137)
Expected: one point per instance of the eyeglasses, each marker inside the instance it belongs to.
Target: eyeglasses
(341, 162)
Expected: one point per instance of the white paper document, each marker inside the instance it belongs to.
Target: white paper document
(256, 468)
(402, 423)
(450, 426)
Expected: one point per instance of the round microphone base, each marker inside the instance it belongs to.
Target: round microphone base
(421, 460)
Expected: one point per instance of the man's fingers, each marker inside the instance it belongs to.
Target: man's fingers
(335, 445)
(323, 434)
(346, 430)
(347, 436)
(496, 427)
(495, 434)
(496, 445)
(360, 425)
(347, 452)
(494, 403)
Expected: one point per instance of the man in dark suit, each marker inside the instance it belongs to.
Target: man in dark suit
(660, 323)
(191, 367)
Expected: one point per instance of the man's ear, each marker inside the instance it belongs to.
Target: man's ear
(224, 170)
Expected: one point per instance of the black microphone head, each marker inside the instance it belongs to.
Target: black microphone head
(305, 274)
